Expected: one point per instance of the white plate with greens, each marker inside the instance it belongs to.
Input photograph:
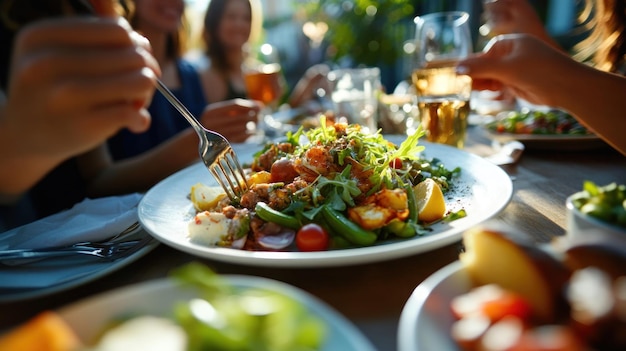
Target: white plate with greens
(482, 189)
(90, 317)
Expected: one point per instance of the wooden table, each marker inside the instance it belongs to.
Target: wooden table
(373, 295)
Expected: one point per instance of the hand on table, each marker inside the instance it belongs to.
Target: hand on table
(230, 118)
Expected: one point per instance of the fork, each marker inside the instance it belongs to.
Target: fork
(215, 151)
(109, 250)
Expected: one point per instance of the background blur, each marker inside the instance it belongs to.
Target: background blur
(350, 33)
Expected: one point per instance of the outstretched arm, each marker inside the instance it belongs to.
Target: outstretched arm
(537, 72)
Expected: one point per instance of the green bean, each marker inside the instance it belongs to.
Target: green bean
(401, 229)
(411, 203)
(348, 229)
(269, 214)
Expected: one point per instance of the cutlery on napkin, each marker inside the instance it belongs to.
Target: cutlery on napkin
(89, 220)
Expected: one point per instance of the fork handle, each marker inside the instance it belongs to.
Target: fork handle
(179, 106)
(29, 255)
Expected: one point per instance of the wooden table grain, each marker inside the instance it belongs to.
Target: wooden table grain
(372, 295)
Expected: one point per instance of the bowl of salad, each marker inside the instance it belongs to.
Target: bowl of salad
(597, 208)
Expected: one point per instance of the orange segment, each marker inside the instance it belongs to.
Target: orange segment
(45, 332)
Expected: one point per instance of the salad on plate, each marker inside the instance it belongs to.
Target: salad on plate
(326, 188)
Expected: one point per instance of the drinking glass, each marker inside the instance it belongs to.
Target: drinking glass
(264, 82)
(443, 97)
(355, 95)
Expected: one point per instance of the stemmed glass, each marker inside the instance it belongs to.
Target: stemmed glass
(442, 39)
(265, 82)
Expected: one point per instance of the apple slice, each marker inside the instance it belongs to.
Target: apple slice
(503, 257)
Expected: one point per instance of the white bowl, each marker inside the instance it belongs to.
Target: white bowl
(579, 223)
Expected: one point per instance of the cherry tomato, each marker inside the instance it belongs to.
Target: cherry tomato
(312, 237)
(507, 304)
(396, 163)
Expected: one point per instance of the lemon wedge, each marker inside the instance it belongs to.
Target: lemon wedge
(431, 204)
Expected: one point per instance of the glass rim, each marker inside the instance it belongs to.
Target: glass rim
(457, 16)
(335, 73)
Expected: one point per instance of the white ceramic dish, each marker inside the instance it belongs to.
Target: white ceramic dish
(426, 318)
(550, 142)
(41, 278)
(579, 224)
(483, 190)
(89, 317)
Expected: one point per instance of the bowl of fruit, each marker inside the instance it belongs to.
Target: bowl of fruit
(597, 208)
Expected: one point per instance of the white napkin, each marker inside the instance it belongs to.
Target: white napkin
(89, 220)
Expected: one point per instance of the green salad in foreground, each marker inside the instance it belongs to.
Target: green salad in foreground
(606, 203)
(221, 317)
(538, 122)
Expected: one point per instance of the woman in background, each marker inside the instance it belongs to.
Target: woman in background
(231, 27)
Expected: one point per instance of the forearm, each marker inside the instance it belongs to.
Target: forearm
(20, 169)
(19, 174)
(598, 100)
(138, 174)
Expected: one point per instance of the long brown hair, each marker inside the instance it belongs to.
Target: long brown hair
(214, 49)
(605, 46)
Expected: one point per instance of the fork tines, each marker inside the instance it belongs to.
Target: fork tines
(230, 175)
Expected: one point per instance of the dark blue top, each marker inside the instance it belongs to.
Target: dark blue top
(166, 120)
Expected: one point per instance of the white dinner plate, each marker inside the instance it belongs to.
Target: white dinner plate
(45, 277)
(483, 190)
(426, 318)
(550, 141)
(89, 317)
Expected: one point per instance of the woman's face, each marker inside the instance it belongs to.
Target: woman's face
(162, 15)
(235, 25)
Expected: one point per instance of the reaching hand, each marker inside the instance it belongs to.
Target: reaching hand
(513, 16)
(75, 82)
(521, 63)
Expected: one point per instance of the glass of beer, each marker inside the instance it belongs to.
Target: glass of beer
(264, 82)
(443, 97)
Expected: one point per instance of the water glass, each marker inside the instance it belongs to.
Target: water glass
(355, 96)
(398, 113)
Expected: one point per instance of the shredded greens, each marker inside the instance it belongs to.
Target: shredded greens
(375, 154)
